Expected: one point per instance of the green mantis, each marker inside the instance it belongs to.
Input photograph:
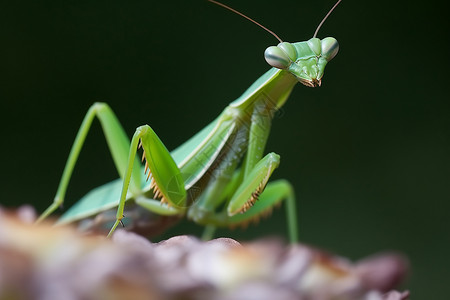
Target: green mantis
(220, 176)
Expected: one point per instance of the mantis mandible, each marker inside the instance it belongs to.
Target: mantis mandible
(216, 177)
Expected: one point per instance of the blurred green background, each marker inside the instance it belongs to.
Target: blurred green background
(368, 152)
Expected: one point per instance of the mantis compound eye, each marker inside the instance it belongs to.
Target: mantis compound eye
(330, 48)
(289, 49)
(314, 45)
(280, 56)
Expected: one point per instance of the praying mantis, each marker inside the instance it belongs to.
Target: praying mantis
(217, 178)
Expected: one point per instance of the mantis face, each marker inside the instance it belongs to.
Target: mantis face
(305, 60)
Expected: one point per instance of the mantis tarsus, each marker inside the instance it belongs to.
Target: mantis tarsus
(217, 176)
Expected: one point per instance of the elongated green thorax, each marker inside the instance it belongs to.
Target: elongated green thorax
(305, 60)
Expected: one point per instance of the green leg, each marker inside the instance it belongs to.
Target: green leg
(249, 182)
(222, 180)
(274, 193)
(250, 202)
(254, 167)
(251, 133)
(259, 132)
(255, 198)
(253, 185)
(157, 207)
(166, 180)
(118, 143)
(208, 232)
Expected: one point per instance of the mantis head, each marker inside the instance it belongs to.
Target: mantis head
(305, 60)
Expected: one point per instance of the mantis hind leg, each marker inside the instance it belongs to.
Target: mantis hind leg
(118, 143)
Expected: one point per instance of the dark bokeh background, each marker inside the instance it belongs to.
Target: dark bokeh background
(368, 152)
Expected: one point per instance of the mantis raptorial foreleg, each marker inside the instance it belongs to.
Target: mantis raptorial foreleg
(166, 180)
(274, 193)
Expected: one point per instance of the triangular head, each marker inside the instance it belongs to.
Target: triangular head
(305, 60)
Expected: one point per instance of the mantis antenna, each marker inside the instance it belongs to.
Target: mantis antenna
(320, 25)
(242, 15)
